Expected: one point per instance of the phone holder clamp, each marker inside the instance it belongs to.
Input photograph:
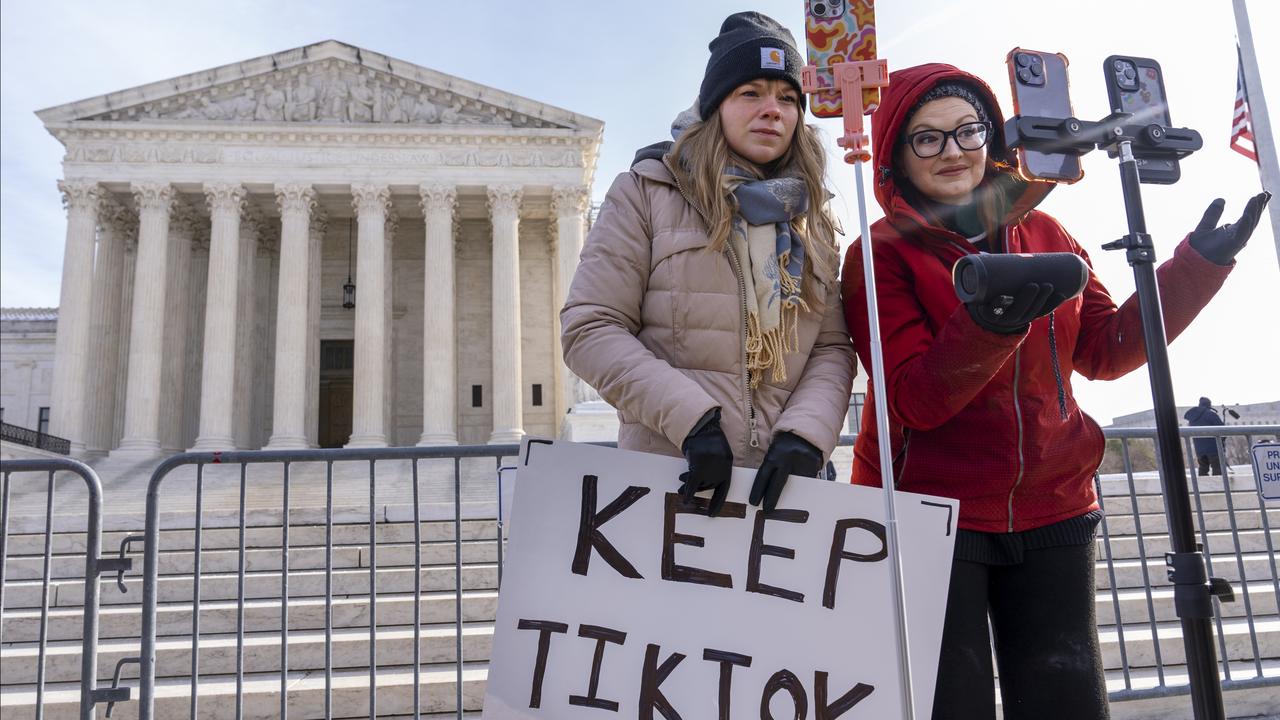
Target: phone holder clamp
(1071, 136)
(1138, 248)
(850, 79)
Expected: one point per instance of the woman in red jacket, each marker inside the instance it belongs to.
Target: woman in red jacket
(979, 397)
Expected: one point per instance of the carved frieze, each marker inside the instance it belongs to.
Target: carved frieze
(329, 91)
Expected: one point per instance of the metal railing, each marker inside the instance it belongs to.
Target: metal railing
(1220, 534)
(94, 566)
(1234, 528)
(286, 460)
(34, 438)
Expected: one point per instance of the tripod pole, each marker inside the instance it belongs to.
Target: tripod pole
(1192, 588)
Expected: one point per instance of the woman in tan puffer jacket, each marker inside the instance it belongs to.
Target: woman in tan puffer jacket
(705, 307)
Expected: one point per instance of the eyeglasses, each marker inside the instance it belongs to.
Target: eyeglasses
(929, 143)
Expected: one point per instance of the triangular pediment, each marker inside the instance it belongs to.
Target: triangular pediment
(324, 83)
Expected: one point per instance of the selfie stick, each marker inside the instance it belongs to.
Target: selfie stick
(1193, 589)
(851, 78)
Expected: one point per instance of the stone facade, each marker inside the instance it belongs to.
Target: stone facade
(214, 218)
(26, 366)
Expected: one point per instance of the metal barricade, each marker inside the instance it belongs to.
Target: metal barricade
(94, 567)
(1237, 538)
(1143, 657)
(292, 483)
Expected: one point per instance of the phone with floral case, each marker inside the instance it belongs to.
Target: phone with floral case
(839, 31)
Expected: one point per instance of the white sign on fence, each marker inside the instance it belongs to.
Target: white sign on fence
(1266, 469)
(619, 600)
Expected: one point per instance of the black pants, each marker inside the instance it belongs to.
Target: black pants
(1045, 633)
(1207, 463)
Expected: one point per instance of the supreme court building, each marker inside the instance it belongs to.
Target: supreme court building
(213, 221)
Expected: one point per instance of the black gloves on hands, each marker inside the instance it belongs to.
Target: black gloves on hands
(710, 461)
(1219, 245)
(1011, 314)
(788, 455)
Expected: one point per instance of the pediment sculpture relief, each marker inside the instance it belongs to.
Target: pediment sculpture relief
(327, 93)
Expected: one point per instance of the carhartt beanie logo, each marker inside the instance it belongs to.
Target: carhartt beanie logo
(750, 45)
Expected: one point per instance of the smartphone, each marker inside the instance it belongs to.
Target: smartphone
(1041, 89)
(1136, 85)
(839, 31)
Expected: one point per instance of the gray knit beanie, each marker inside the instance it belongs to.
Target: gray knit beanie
(750, 45)
(954, 88)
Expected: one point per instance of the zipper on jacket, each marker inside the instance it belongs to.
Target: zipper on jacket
(749, 408)
(753, 438)
(1017, 412)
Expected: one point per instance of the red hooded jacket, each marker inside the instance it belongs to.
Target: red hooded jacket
(973, 414)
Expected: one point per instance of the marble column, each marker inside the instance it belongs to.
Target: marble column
(390, 418)
(218, 370)
(71, 344)
(569, 206)
(289, 407)
(251, 227)
(371, 203)
(182, 228)
(198, 280)
(508, 398)
(146, 347)
(116, 227)
(439, 345)
(125, 333)
(319, 225)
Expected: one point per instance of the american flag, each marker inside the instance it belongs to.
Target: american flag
(1240, 120)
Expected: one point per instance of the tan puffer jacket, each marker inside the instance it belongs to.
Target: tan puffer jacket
(656, 324)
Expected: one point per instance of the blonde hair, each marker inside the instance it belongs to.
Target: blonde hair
(700, 158)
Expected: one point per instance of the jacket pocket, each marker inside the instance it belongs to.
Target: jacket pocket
(670, 242)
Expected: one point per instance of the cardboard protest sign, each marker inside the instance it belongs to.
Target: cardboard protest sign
(620, 600)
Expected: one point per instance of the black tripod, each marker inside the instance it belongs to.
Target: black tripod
(1193, 590)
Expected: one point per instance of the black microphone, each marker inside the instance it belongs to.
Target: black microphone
(984, 277)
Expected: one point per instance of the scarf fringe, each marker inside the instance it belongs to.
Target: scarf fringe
(767, 351)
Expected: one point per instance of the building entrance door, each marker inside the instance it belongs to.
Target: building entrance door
(337, 377)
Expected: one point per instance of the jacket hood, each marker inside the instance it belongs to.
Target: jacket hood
(1010, 197)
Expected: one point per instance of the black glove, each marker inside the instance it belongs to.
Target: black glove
(1219, 245)
(788, 455)
(710, 461)
(1012, 314)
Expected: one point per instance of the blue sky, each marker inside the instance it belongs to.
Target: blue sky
(634, 65)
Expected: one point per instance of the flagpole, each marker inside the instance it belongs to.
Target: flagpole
(1259, 122)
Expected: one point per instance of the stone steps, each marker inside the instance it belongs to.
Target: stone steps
(1133, 603)
(306, 693)
(261, 615)
(268, 536)
(1155, 546)
(262, 584)
(301, 557)
(1128, 572)
(120, 614)
(1154, 523)
(349, 651)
